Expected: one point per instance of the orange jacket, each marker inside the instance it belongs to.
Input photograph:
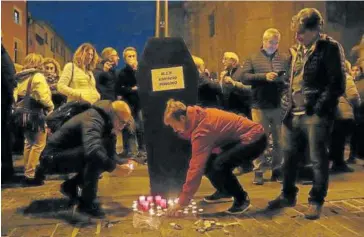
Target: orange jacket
(209, 129)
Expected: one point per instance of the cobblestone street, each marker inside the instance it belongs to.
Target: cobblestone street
(42, 211)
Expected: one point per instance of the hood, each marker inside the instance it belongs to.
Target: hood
(195, 114)
(25, 74)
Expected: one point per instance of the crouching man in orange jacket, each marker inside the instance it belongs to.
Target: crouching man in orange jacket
(220, 141)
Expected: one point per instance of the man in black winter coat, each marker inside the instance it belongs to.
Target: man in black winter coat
(105, 74)
(317, 80)
(126, 88)
(7, 86)
(85, 144)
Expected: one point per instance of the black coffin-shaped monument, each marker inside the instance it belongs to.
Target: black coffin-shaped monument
(166, 70)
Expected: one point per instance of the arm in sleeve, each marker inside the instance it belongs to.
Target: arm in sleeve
(64, 81)
(205, 81)
(121, 88)
(42, 92)
(351, 92)
(334, 63)
(248, 76)
(92, 130)
(200, 154)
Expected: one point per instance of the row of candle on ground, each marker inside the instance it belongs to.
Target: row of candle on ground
(151, 201)
(160, 212)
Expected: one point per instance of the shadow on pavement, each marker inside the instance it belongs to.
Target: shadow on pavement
(61, 209)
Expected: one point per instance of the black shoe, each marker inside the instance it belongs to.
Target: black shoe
(92, 209)
(32, 182)
(218, 197)
(281, 202)
(276, 176)
(258, 178)
(69, 190)
(239, 207)
(313, 212)
(344, 168)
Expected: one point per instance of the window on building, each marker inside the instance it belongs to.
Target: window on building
(46, 38)
(16, 52)
(16, 17)
(52, 44)
(212, 24)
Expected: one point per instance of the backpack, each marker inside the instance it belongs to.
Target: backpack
(65, 112)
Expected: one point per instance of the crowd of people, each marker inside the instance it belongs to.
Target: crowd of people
(294, 100)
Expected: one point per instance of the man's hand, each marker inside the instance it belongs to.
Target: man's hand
(107, 66)
(173, 211)
(134, 88)
(229, 80)
(271, 76)
(222, 75)
(123, 170)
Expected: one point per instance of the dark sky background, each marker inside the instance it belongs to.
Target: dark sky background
(114, 24)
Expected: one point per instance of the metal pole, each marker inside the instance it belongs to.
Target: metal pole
(157, 18)
(166, 18)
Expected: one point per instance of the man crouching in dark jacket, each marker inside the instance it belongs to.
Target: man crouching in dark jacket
(86, 144)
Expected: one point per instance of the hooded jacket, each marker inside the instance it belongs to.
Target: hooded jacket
(209, 129)
(39, 89)
(91, 129)
(323, 79)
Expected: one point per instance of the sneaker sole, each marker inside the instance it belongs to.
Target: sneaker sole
(240, 212)
(221, 200)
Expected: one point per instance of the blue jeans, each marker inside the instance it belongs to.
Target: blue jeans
(315, 131)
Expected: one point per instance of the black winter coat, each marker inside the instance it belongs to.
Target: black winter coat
(91, 129)
(125, 81)
(323, 79)
(7, 79)
(105, 82)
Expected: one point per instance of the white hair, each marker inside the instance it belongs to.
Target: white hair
(270, 33)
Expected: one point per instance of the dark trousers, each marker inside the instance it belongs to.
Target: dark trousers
(7, 169)
(342, 129)
(315, 131)
(357, 140)
(71, 160)
(219, 168)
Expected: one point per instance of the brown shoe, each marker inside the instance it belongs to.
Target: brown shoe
(313, 212)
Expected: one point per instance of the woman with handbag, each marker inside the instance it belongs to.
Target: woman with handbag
(33, 100)
(77, 81)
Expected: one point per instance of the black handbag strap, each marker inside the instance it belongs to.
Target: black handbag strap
(27, 94)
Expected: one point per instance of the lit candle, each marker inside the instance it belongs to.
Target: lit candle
(158, 199)
(170, 201)
(141, 198)
(145, 205)
(200, 210)
(150, 198)
(163, 203)
(193, 203)
(176, 200)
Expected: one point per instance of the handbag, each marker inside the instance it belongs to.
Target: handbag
(28, 113)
